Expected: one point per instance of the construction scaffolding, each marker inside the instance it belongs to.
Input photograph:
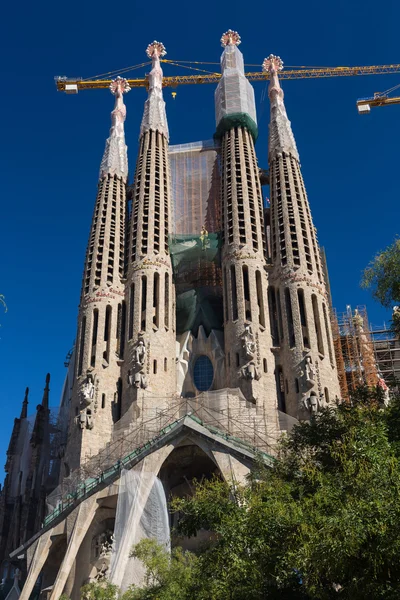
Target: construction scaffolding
(195, 242)
(224, 413)
(364, 352)
(387, 354)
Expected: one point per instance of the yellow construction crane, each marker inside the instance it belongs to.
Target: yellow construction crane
(364, 105)
(73, 85)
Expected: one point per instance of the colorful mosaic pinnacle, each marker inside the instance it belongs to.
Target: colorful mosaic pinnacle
(230, 38)
(156, 49)
(119, 84)
(272, 64)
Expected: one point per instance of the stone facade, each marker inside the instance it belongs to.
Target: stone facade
(299, 306)
(194, 404)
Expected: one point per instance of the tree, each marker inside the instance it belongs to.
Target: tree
(383, 275)
(169, 576)
(323, 523)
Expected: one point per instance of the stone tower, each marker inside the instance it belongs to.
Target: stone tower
(298, 301)
(149, 369)
(95, 401)
(249, 360)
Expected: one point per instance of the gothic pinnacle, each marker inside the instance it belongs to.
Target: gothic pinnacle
(281, 136)
(154, 116)
(24, 411)
(115, 159)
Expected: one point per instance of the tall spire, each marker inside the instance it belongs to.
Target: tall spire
(280, 133)
(154, 116)
(234, 96)
(45, 399)
(115, 157)
(24, 411)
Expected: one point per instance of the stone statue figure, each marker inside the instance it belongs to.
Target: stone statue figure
(249, 344)
(358, 320)
(309, 369)
(311, 403)
(381, 384)
(204, 238)
(137, 380)
(140, 352)
(87, 391)
(250, 372)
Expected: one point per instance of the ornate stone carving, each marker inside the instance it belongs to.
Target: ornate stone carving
(140, 353)
(137, 380)
(309, 370)
(381, 384)
(249, 344)
(85, 416)
(311, 403)
(250, 371)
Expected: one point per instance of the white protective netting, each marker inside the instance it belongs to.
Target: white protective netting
(141, 513)
(234, 93)
(195, 180)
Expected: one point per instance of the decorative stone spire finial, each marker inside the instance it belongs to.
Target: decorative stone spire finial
(230, 38)
(281, 136)
(24, 411)
(154, 116)
(115, 158)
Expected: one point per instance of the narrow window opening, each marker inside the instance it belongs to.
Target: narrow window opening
(82, 346)
(165, 364)
(237, 359)
(166, 301)
(226, 297)
(317, 324)
(156, 299)
(296, 384)
(273, 317)
(326, 394)
(131, 311)
(121, 347)
(303, 319)
(103, 401)
(246, 293)
(265, 365)
(280, 389)
(328, 334)
(144, 302)
(94, 337)
(154, 367)
(234, 293)
(107, 333)
(280, 320)
(260, 300)
(289, 315)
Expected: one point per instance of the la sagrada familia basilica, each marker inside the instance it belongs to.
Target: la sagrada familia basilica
(203, 333)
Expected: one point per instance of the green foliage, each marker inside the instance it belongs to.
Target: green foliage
(323, 523)
(383, 275)
(102, 590)
(169, 576)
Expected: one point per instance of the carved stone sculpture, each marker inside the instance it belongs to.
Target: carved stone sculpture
(383, 386)
(137, 380)
(249, 344)
(311, 403)
(309, 369)
(140, 352)
(87, 391)
(250, 372)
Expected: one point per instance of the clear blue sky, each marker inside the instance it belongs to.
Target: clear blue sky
(52, 145)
